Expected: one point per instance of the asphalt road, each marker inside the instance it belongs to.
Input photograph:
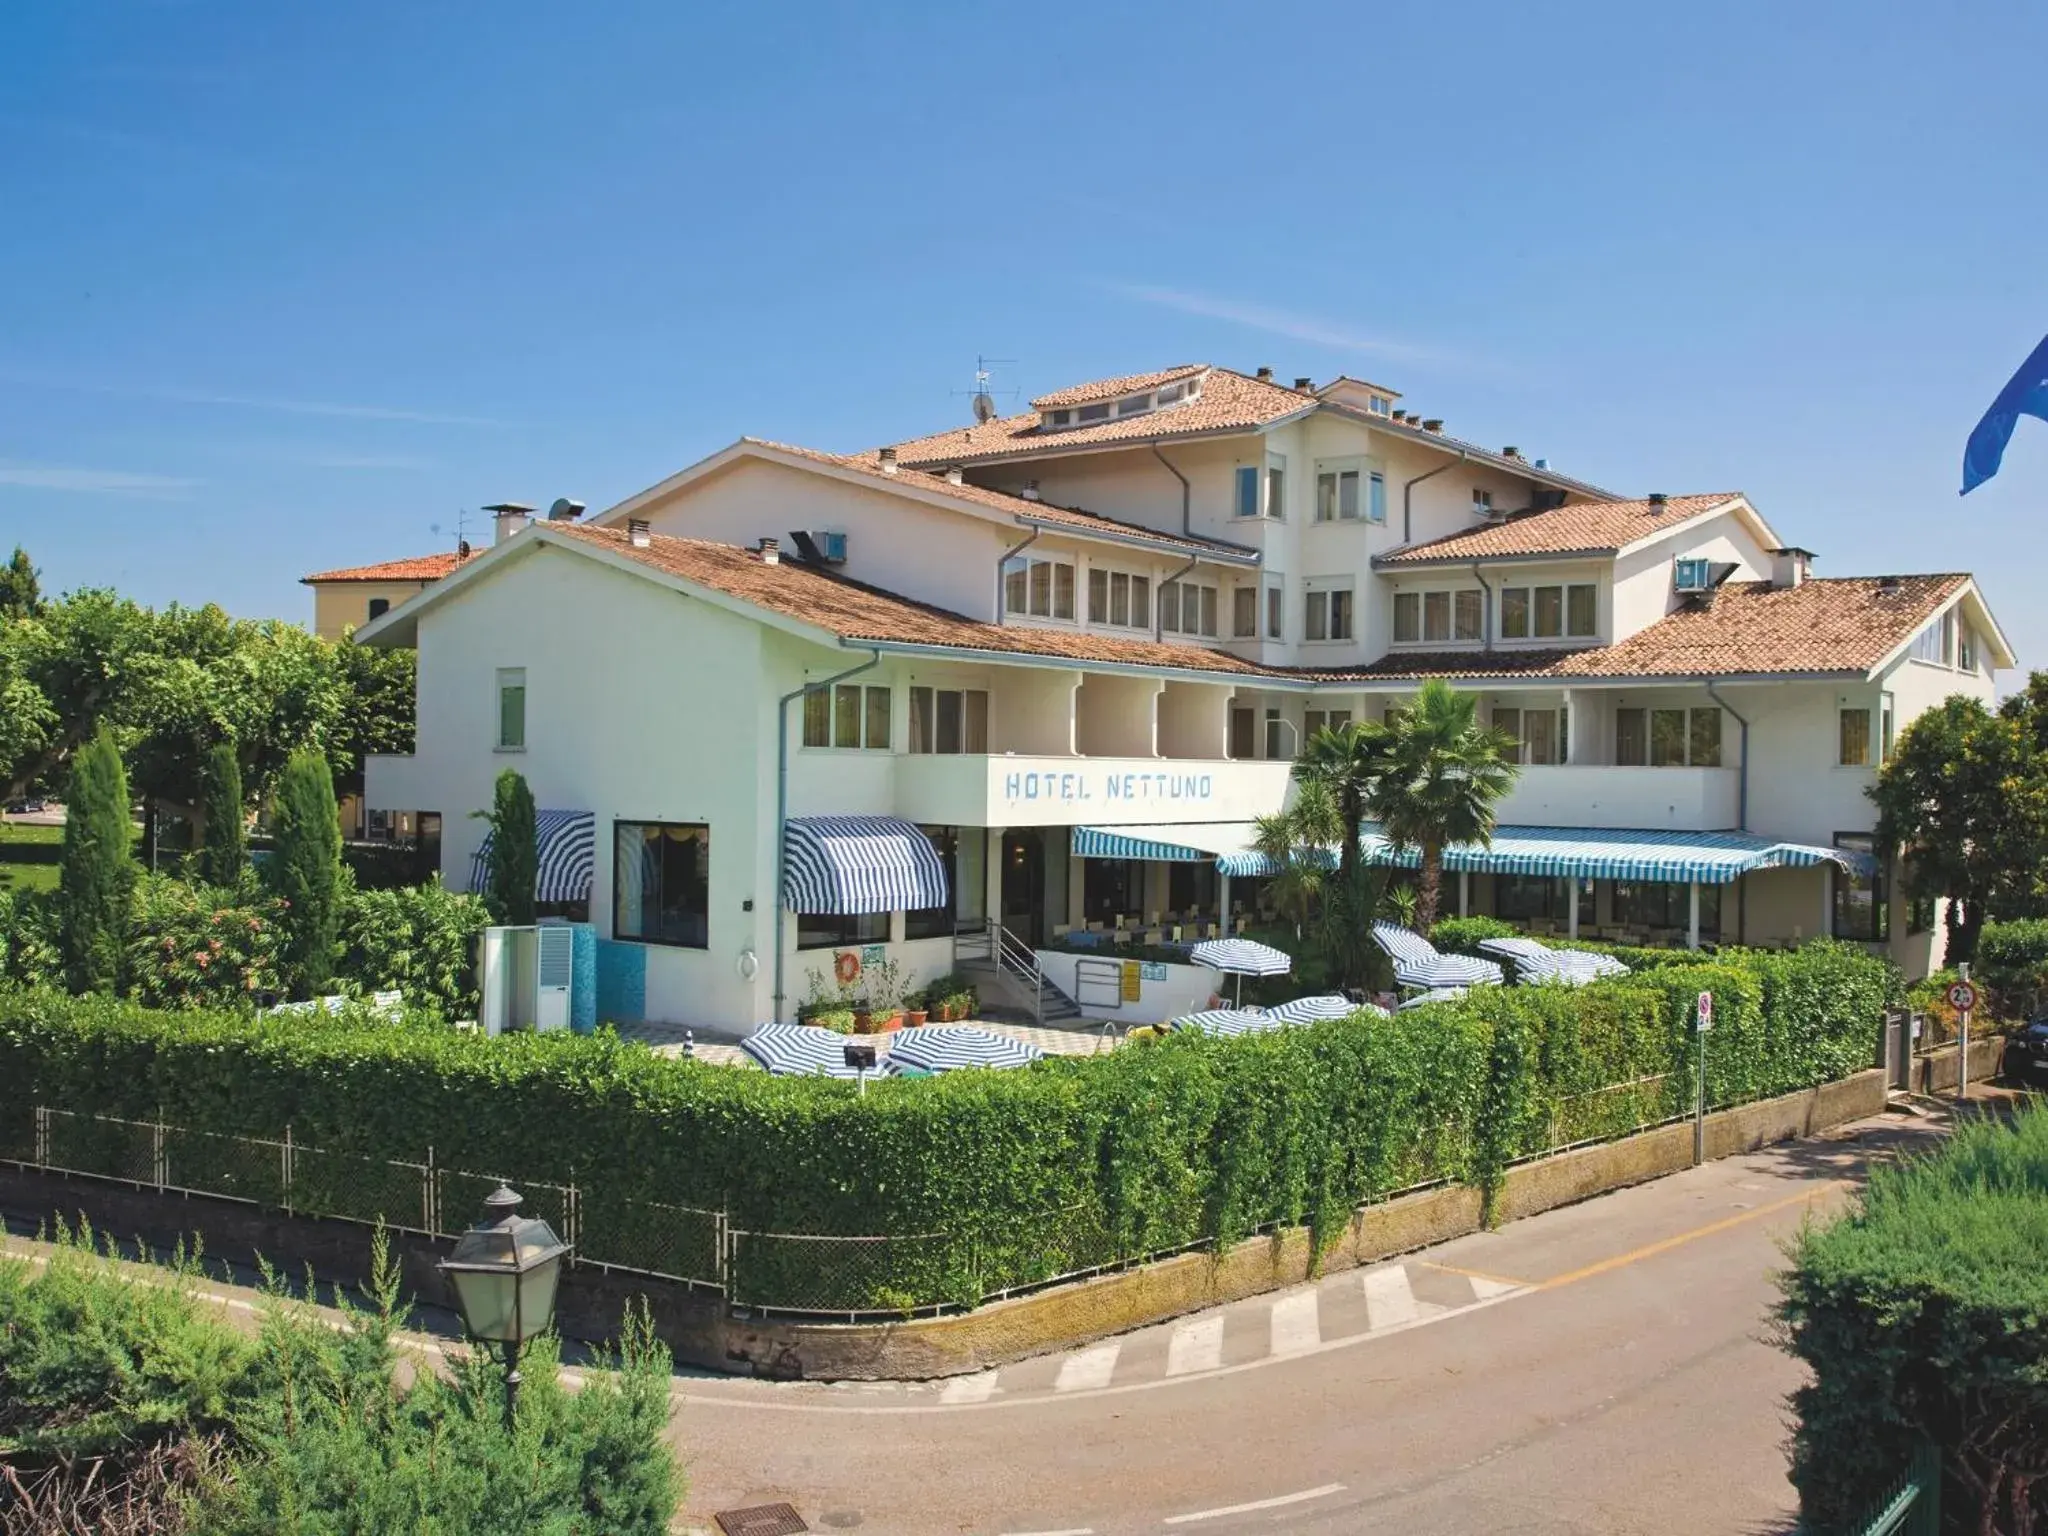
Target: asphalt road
(1599, 1369)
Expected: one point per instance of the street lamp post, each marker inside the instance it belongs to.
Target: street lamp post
(505, 1272)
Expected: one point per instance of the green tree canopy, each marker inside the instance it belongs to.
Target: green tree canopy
(96, 882)
(1345, 762)
(1444, 775)
(305, 866)
(21, 593)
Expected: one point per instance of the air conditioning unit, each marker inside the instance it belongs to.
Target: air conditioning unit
(554, 974)
(527, 977)
(1693, 575)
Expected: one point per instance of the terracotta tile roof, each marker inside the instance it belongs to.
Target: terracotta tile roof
(1109, 389)
(1598, 527)
(1080, 521)
(1840, 625)
(856, 612)
(419, 568)
(1229, 402)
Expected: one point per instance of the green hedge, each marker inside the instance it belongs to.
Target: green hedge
(2012, 959)
(1461, 935)
(1025, 1174)
(1924, 1317)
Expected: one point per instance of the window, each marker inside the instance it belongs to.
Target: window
(949, 720)
(1276, 485)
(831, 930)
(1192, 887)
(1549, 612)
(1855, 738)
(1244, 613)
(1885, 729)
(937, 922)
(1860, 900)
(1119, 598)
(1666, 904)
(1466, 614)
(1172, 393)
(1581, 604)
(1379, 405)
(1522, 897)
(1241, 726)
(1928, 645)
(1482, 502)
(1966, 644)
(1314, 721)
(1692, 575)
(1376, 497)
(1276, 731)
(1665, 738)
(1061, 418)
(1134, 405)
(1042, 588)
(1436, 615)
(1337, 490)
(1407, 617)
(1247, 491)
(1093, 412)
(1276, 607)
(1919, 914)
(1539, 733)
(1948, 637)
(379, 606)
(1326, 610)
(1514, 613)
(847, 716)
(1112, 889)
(1187, 608)
(511, 709)
(661, 883)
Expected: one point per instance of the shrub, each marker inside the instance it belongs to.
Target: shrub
(2012, 960)
(1462, 934)
(98, 867)
(30, 954)
(224, 856)
(1923, 1315)
(420, 941)
(305, 868)
(514, 865)
(199, 946)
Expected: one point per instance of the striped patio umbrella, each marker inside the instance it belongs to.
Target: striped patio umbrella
(1242, 958)
(947, 1047)
(803, 1050)
(1434, 995)
(1448, 971)
(1228, 1021)
(1533, 955)
(1311, 1010)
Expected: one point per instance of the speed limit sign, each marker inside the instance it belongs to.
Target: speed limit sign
(1962, 996)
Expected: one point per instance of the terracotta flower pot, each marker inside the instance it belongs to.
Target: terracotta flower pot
(916, 1017)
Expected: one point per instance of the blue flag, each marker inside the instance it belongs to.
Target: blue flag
(2025, 395)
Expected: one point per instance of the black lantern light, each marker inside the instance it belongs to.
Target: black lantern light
(504, 1273)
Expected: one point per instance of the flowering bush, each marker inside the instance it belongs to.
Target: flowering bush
(203, 946)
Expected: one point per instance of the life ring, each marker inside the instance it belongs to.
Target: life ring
(846, 966)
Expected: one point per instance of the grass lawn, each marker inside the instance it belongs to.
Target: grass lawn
(15, 873)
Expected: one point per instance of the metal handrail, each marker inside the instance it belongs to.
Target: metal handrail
(1012, 954)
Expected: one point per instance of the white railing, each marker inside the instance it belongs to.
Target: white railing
(997, 946)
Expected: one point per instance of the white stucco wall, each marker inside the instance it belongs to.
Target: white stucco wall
(1114, 716)
(1181, 990)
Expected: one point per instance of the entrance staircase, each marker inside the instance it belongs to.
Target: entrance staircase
(1007, 974)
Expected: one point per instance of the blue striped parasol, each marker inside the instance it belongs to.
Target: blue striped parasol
(948, 1047)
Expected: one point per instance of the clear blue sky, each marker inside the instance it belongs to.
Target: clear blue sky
(282, 286)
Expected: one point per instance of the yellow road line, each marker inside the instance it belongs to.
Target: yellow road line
(1472, 1274)
(1651, 1250)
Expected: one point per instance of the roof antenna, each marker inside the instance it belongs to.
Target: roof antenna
(982, 397)
(461, 530)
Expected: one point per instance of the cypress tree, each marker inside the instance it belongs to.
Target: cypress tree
(226, 850)
(305, 867)
(514, 864)
(96, 883)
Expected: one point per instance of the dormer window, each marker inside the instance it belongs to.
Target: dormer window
(1379, 405)
(1482, 502)
(1089, 413)
(1138, 404)
(1172, 393)
(1059, 418)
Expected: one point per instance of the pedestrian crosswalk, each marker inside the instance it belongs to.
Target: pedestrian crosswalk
(1296, 1322)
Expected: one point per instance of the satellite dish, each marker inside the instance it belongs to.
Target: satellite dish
(984, 406)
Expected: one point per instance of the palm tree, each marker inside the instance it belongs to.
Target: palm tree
(1293, 843)
(1443, 776)
(1345, 762)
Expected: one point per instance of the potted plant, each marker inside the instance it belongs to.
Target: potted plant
(879, 1009)
(916, 1008)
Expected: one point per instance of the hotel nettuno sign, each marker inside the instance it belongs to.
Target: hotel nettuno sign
(1082, 787)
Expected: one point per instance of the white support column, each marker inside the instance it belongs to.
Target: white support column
(1692, 925)
(1464, 893)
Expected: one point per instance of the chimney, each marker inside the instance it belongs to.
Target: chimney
(1434, 424)
(1265, 375)
(1030, 491)
(888, 461)
(1889, 586)
(510, 517)
(1790, 565)
(953, 475)
(1401, 415)
(771, 552)
(1658, 502)
(638, 533)
(564, 510)
(1304, 384)
(1511, 452)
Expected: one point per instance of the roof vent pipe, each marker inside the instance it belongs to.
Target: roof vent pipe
(888, 461)
(1265, 375)
(638, 533)
(1401, 415)
(1434, 424)
(953, 475)
(1511, 452)
(1304, 384)
(564, 510)
(1658, 502)
(1543, 463)
(771, 552)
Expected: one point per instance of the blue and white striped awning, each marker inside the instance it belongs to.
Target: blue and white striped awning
(1193, 842)
(949, 1047)
(804, 1050)
(1242, 957)
(567, 844)
(846, 865)
(1229, 1022)
(1601, 853)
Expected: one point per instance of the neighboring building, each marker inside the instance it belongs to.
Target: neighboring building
(348, 599)
(1078, 649)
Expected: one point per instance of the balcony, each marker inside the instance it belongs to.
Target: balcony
(1675, 799)
(1007, 791)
